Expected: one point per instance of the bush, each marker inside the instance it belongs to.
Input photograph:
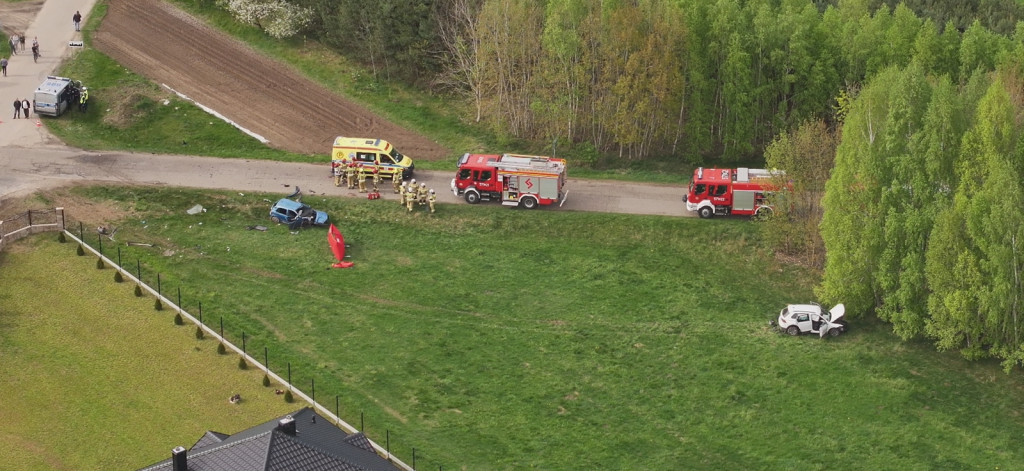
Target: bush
(266, 380)
(288, 397)
(138, 291)
(159, 306)
(80, 250)
(178, 320)
(242, 365)
(99, 263)
(220, 349)
(199, 333)
(62, 238)
(117, 277)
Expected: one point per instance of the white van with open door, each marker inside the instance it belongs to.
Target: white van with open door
(55, 96)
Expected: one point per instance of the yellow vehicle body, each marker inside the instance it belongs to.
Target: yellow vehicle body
(371, 153)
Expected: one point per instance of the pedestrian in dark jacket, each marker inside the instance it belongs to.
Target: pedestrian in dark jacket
(17, 108)
(78, 21)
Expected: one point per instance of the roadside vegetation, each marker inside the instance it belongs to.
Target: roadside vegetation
(94, 378)
(489, 338)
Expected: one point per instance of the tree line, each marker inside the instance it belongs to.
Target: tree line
(698, 80)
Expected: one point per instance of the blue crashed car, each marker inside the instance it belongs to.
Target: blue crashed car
(296, 214)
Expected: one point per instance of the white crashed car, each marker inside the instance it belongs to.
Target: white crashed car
(796, 319)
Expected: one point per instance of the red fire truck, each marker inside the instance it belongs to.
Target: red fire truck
(722, 191)
(515, 180)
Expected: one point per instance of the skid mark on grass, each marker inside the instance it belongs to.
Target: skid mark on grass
(387, 409)
(280, 336)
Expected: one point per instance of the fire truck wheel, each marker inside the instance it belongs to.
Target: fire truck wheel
(529, 203)
(472, 197)
(763, 214)
(793, 330)
(705, 212)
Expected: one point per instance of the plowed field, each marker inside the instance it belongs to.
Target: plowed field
(170, 47)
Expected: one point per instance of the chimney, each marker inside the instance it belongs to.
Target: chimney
(286, 425)
(179, 459)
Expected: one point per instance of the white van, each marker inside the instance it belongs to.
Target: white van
(55, 96)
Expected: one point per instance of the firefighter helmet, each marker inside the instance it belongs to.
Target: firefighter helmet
(431, 191)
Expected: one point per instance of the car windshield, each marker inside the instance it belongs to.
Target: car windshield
(395, 155)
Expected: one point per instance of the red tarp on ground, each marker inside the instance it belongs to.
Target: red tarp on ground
(337, 242)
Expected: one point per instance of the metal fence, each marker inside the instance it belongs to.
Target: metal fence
(37, 221)
(30, 222)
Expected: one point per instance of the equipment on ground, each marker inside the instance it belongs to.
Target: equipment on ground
(56, 95)
(740, 191)
(515, 180)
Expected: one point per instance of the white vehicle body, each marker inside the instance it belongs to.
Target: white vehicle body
(796, 319)
(54, 96)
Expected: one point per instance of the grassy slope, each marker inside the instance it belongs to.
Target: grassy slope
(489, 338)
(94, 378)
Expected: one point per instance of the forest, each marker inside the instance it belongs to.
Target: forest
(899, 124)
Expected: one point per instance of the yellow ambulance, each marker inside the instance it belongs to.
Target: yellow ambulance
(370, 153)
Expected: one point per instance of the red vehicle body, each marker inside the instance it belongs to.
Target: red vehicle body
(741, 191)
(515, 180)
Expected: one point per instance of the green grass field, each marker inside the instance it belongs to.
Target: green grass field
(94, 378)
(490, 338)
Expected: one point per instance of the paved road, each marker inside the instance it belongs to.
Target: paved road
(28, 169)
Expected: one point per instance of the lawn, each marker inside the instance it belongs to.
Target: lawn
(94, 378)
(490, 338)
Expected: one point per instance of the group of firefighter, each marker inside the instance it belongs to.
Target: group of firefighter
(409, 194)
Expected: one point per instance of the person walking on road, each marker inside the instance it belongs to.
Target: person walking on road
(77, 18)
(17, 108)
(14, 44)
(21, 40)
(3, 65)
(24, 107)
(35, 50)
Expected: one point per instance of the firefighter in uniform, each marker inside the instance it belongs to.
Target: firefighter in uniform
(376, 178)
(339, 171)
(401, 194)
(431, 198)
(363, 173)
(410, 196)
(350, 175)
(396, 180)
(421, 194)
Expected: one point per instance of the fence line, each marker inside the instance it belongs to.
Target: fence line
(386, 452)
(23, 225)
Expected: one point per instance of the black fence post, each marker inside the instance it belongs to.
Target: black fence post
(119, 257)
(159, 290)
(30, 218)
(387, 441)
(81, 232)
(63, 225)
(289, 376)
(138, 269)
(243, 343)
(200, 312)
(312, 387)
(222, 328)
(337, 406)
(266, 358)
(179, 300)
(362, 425)
(414, 458)
(99, 238)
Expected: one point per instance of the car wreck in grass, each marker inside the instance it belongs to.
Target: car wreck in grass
(796, 319)
(296, 214)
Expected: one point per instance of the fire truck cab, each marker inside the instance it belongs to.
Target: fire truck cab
(740, 191)
(515, 180)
